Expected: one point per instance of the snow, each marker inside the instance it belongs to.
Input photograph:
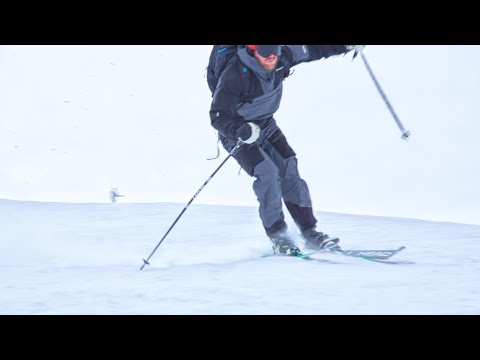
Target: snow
(61, 258)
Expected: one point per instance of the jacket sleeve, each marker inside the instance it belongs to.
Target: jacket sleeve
(296, 54)
(225, 101)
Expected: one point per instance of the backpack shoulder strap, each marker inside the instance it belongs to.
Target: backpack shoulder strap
(246, 80)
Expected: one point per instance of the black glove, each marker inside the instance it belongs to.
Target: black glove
(248, 132)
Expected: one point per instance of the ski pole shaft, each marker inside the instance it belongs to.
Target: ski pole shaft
(405, 134)
(237, 146)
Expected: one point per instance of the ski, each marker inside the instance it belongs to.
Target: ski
(382, 256)
(368, 254)
(304, 256)
(299, 255)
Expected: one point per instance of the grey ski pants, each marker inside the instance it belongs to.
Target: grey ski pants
(273, 163)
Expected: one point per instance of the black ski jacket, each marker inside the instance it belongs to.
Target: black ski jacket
(247, 92)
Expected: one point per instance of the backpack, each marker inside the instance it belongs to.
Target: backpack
(219, 59)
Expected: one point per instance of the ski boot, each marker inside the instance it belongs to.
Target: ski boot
(284, 245)
(316, 240)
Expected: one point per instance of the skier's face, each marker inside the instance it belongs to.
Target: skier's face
(268, 63)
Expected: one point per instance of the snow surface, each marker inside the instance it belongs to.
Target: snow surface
(84, 259)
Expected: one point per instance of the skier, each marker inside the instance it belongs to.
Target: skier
(114, 195)
(247, 96)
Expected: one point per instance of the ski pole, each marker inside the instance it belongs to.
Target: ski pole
(237, 146)
(405, 134)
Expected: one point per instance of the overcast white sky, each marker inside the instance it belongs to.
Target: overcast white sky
(78, 120)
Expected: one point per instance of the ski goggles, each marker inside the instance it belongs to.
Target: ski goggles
(267, 50)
